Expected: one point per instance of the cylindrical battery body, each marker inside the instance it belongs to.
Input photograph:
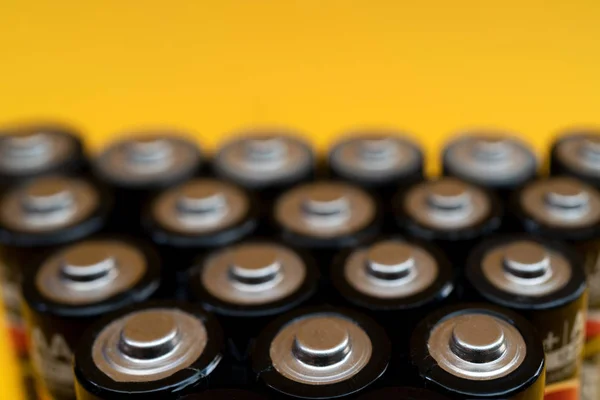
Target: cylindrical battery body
(198, 216)
(36, 218)
(402, 393)
(70, 290)
(152, 351)
(544, 281)
(476, 351)
(381, 162)
(577, 153)
(30, 151)
(395, 281)
(141, 165)
(491, 159)
(449, 212)
(325, 217)
(246, 286)
(265, 162)
(320, 353)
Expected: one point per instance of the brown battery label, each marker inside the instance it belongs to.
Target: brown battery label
(565, 390)
(52, 361)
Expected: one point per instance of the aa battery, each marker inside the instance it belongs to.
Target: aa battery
(35, 218)
(266, 162)
(562, 208)
(577, 153)
(492, 159)
(70, 290)
(152, 351)
(394, 281)
(193, 218)
(246, 286)
(320, 353)
(225, 394)
(545, 282)
(450, 212)
(31, 151)
(382, 162)
(140, 166)
(479, 351)
(402, 393)
(325, 217)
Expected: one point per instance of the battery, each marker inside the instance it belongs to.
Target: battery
(35, 218)
(70, 290)
(325, 217)
(161, 350)
(402, 393)
(319, 353)
(30, 151)
(479, 351)
(247, 285)
(379, 161)
(492, 159)
(577, 153)
(140, 166)
(544, 281)
(266, 162)
(195, 217)
(225, 394)
(394, 280)
(562, 208)
(450, 212)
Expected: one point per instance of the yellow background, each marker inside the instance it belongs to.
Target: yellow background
(212, 67)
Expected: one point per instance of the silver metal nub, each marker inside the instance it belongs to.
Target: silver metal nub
(31, 149)
(490, 159)
(320, 349)
(477, 346)
(325, 209)
(200, 206)
(447, 204)
(259, 160)
(391, 269)
(148, 157)
(581, 153)
(526, 268)
(253, 273)
(377, 157)
(149, 345)
(90, 272)
(48, 203)
(561, 202)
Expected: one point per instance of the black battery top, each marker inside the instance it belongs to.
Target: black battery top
(479, 352)
(447, 207)
(577, 153)
(51, 210)
(201, 210)
(559, 207)
(325, 353)
(93, 277)
(325, 211)
(376, 157)
(148, 160)
(393, 274)
(36, 149)
(491, 159)
(254, 278)
(157, 351)
(265, 159)
(523, 272)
